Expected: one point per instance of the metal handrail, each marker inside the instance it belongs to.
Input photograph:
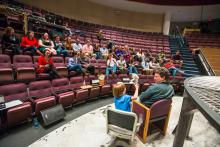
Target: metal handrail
(182, 42)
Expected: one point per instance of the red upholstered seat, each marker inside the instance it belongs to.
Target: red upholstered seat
(24, 68)
(6, 70)
(61, 88)
(41, 95)
(81, 95)
(21, 112)
(60, 66)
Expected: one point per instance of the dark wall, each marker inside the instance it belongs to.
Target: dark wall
(206, 26)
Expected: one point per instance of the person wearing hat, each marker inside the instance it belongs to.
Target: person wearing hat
(45, 64)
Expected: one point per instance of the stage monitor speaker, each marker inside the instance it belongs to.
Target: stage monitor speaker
(52, 115)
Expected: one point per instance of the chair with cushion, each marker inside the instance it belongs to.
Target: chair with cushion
(60, 66)
(6, 70)
(61, 89)
(81, 95)
(41, 96)
(22, 112)
(95, 90)
(144, 83)
(102, 65)
(24, 68)
(121, 124)
(157, 114)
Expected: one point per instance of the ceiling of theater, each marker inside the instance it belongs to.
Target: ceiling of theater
(178, 13)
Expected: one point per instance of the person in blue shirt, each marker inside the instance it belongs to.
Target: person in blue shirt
(121, 99)
(74, 64)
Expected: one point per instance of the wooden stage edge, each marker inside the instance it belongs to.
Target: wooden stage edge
(212, 55)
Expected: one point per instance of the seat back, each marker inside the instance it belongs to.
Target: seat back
(160, 108)
(118, 120)
(14, 92)
(35, 59)
(22, 61)
(40, 89)
(5, 61)
(58, 62)
(60, 85)
(76, 82)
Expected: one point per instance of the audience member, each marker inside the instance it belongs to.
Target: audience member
(104, 51)
(96, 50)
(132, 68)
(45, 64)
(154, 64)
(122, 66)
(100, 36)
(77, 46)
(86, 63)
(74, 64)
(30, 43)
(10, 41)
(172, 69)
(69, 45)
(127, 53)
(59, 46)
(177, 59)
(160, 90)
(119, 51)
(121, 99)
(110, 44)
(46, 43)
(87, 48)
(111, 65)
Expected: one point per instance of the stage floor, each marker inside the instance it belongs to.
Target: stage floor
(89, 130)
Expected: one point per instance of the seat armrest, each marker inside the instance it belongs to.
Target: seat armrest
(25, 68)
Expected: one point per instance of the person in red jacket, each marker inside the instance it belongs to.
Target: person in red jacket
(45, 64)
(30, 43)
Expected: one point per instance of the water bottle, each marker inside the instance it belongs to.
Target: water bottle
(36, 123)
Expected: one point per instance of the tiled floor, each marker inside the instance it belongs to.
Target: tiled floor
(89, 130)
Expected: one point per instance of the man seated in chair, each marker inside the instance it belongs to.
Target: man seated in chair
(162, 89)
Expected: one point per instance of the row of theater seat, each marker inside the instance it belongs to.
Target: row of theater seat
(40, 95)
(23, 68)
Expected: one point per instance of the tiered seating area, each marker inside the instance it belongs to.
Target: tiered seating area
(37, 94)
(203, 40)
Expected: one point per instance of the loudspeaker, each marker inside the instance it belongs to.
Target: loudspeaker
(52, 115)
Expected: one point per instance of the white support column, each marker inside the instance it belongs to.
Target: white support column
(166, 23)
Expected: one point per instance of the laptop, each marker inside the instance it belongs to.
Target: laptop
(95, 82)
(126, 81)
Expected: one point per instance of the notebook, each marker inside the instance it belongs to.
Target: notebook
(95, 82)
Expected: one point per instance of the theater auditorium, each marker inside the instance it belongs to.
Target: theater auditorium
(109, 73)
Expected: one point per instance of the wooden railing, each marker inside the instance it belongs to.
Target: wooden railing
(212, 56)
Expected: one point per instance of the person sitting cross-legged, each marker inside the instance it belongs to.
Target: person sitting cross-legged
(74, 64)
(45, 64)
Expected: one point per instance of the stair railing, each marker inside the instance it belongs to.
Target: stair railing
(179, 36)
(205, 63)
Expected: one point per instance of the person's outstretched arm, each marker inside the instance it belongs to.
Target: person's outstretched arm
(136, 92)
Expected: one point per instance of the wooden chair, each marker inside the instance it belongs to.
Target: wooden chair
(158, 115)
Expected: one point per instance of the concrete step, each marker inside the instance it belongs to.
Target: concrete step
(190, 68)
